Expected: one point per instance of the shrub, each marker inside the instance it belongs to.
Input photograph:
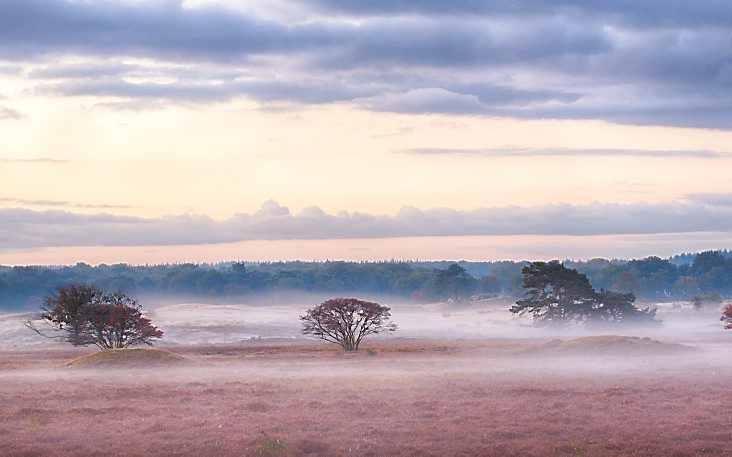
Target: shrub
(269, 446)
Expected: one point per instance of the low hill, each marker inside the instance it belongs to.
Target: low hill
(612, 345)
(129, 358)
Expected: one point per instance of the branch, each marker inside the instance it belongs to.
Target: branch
(29, 324)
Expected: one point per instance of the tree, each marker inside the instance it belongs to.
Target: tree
(84, 316)
(625, 281)
(686, 286)
(557, 295)
(697, 302)
(346, 321)
(727, 317)
(454, 283)
(115, 321)
(657, 276)
(616, 308)
(63, 311)
(489, 285)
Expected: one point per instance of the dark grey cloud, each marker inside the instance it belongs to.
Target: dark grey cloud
(510, 151)
(22, 228)
(667, 63)
(461, 43)
(305, 91)
(666, 13)
(162, 29)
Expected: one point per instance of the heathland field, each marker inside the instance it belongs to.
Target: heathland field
(252, 394)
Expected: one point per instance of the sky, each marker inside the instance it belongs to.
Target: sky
(171, 131)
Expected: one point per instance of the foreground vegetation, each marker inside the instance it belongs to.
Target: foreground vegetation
(412, 398)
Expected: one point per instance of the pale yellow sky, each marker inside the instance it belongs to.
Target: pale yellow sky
(231, 157)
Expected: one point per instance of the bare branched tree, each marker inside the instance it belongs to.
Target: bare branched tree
(346, 321)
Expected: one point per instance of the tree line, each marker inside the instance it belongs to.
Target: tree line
(683, 277)
(555, 295)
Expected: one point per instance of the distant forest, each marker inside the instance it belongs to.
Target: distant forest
(677, 278)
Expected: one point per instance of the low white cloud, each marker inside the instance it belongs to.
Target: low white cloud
(32, 160)
(512, 151)
(9, 113)
(711, 199)
(60, 203)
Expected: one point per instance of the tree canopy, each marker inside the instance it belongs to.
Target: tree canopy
(346, 321)
(557, 296)
(454, 283)
(86, 316)
(652, 278)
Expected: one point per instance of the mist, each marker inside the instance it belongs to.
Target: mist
(238, 377)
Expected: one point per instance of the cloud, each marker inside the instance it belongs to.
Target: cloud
(12, 70)
(23, 228)
(431, 100)
(509, 151)
(156, 29)
(9, 113)
(711, 199)
(60, 203)
(32, 160)
(668, 13)
(665, 63)
(307, 91)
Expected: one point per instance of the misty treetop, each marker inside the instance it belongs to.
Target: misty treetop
(678, 278)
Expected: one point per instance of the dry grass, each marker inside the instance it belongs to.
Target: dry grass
(468, 399)
(126, 358)
(613, 344)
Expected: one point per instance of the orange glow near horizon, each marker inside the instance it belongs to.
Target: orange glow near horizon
(471, 248)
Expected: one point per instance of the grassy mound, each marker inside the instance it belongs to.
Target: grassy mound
(612, 345)
(127, 358)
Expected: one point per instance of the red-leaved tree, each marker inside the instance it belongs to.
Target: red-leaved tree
(84, 316)
(63, 312)
(727, 317)
(115, 321)
(346, 321)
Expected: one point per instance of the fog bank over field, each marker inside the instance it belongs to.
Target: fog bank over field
(481, 320)
(276, 316)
